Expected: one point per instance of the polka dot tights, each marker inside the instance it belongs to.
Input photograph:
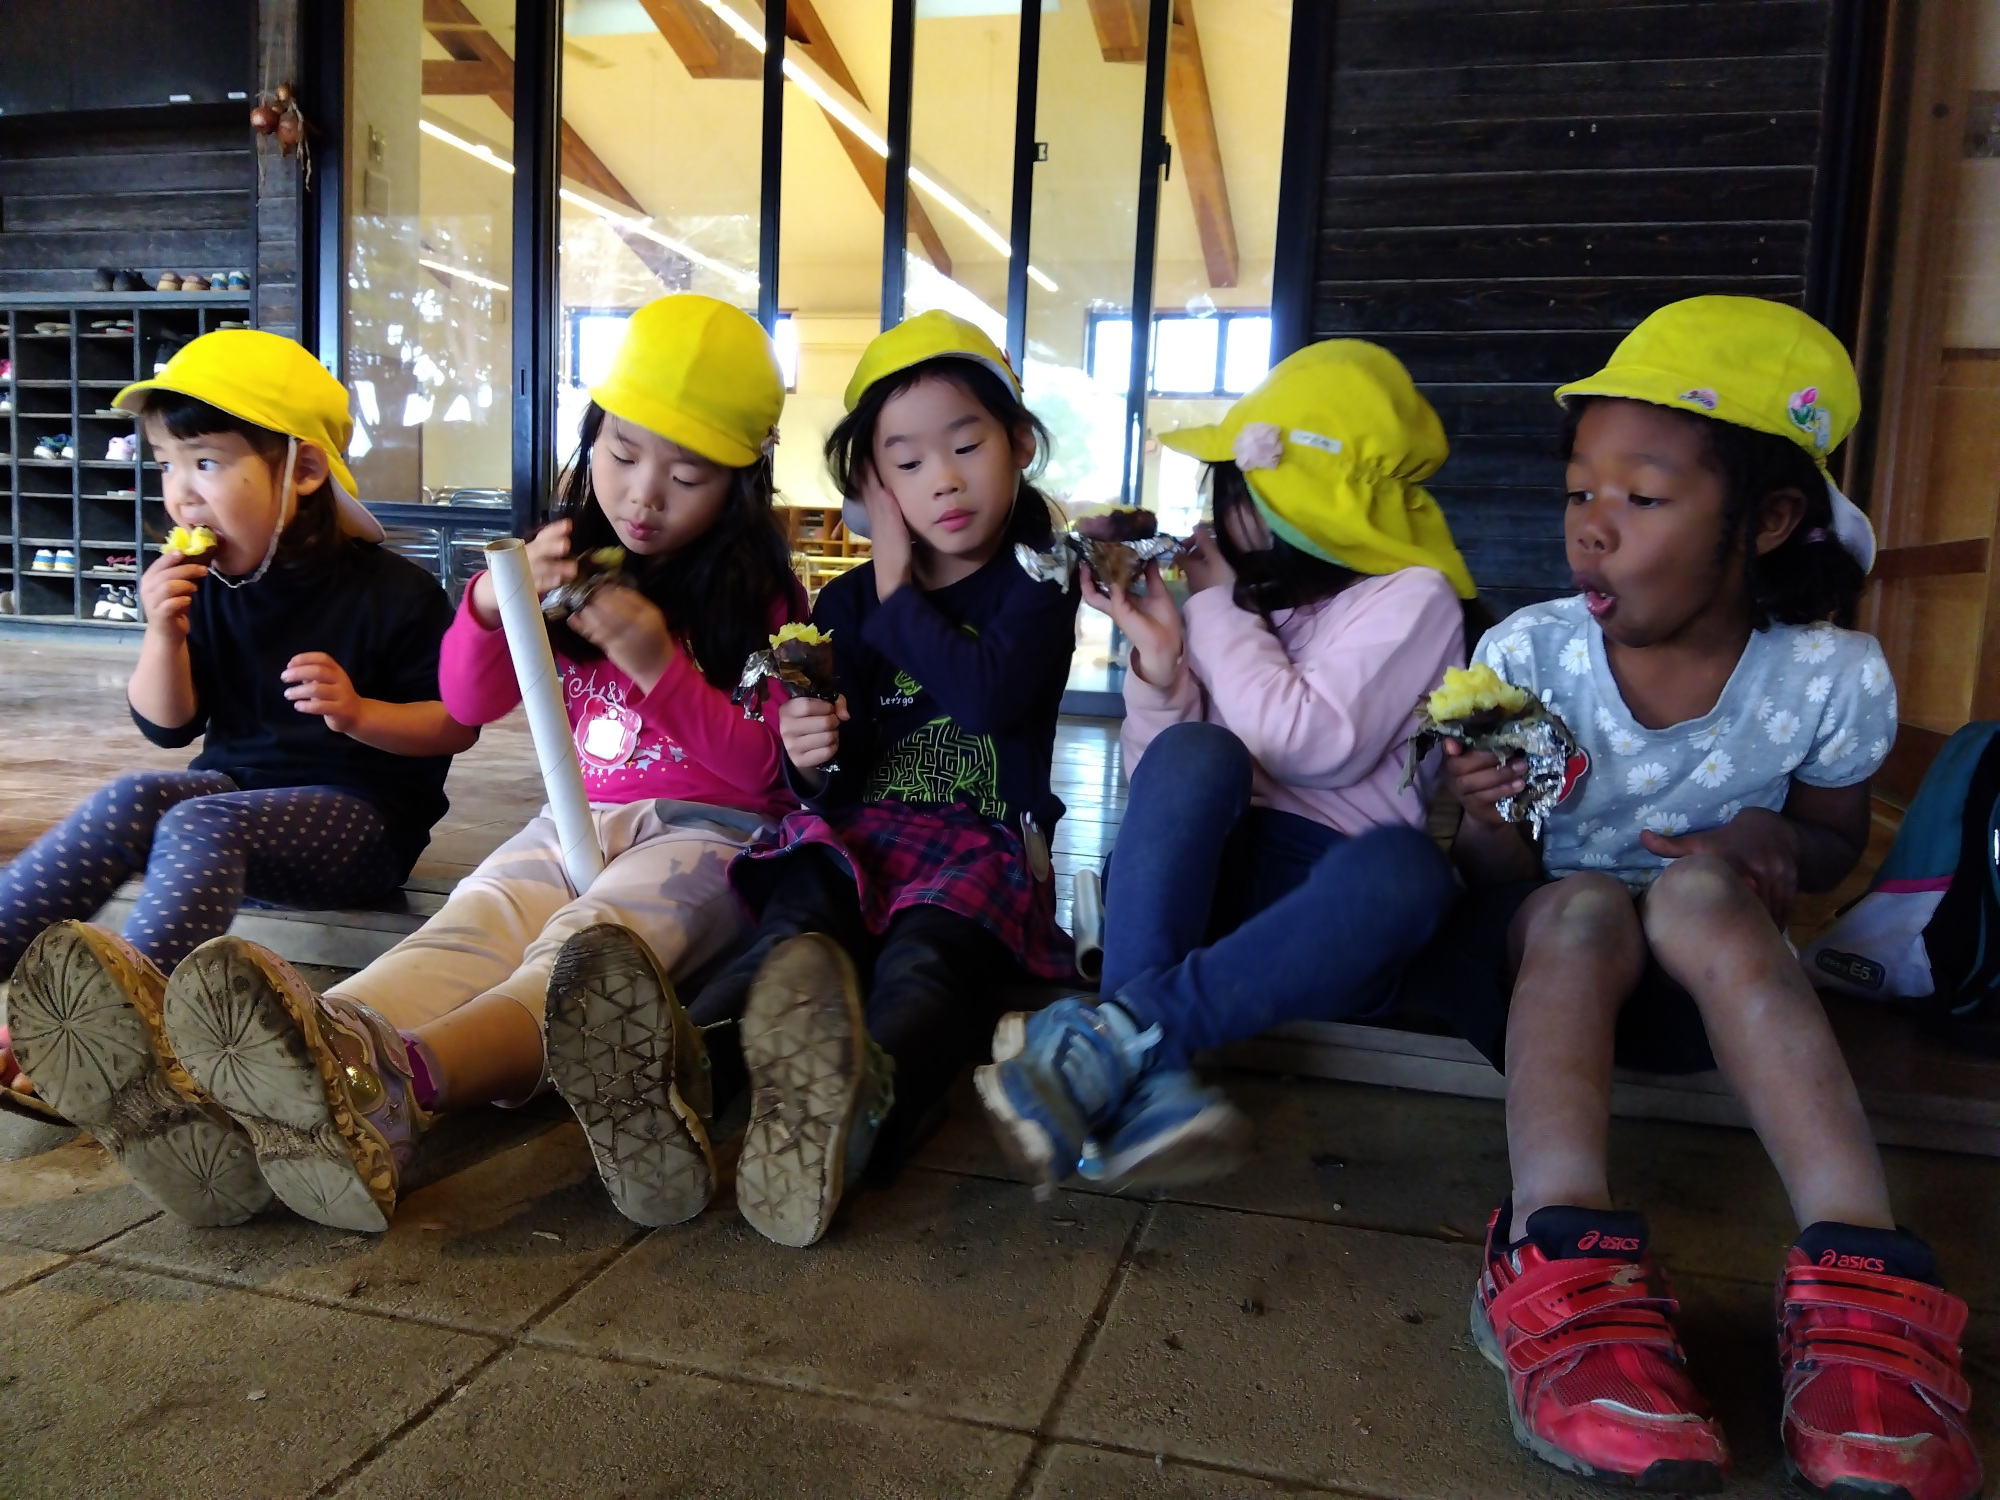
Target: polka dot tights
(204, 846)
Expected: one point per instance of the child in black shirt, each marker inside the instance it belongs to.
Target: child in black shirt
(305, 656)
(922, 862)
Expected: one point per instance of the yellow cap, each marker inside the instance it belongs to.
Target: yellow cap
(932, 335)
(1743, 360)
(699, 373)
(272, 382)
(1335, 444)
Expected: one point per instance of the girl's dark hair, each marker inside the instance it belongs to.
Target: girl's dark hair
(1809, 576)
(716, 592)
(850, 447)
(314, 533)
(1284, 577)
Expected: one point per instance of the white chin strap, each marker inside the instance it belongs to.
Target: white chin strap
(286, 510)
(1851, 528)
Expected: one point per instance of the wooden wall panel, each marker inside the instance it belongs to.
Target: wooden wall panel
(1510, 185)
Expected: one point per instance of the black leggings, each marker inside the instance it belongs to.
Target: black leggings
(932, 984)
(204, 845)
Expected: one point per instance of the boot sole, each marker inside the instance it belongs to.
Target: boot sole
(248, 1029)
(1664, 1476)
(612, 1024)
(805, 1045)
(78, 1016)
(1027, 1146)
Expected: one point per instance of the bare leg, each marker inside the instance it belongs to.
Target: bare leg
(489, 1048)
(1770, 1036)
(1579, 952)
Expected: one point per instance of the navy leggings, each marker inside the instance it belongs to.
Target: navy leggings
(204, 845)
(1222, 920)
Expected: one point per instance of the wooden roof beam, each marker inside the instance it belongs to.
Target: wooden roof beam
(1121, 29)
(704, 43)
(1200, 149)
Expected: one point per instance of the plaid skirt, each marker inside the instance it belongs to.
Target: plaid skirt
(916, 856)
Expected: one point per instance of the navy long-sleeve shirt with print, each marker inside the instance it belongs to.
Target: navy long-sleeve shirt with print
(952, 694)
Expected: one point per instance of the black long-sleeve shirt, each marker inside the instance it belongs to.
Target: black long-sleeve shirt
(381, 617)
(953, 694)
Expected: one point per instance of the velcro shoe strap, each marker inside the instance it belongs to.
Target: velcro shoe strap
(1887, 1353)
(1558, 1292)
(1631, 1324)
(1928, 1308)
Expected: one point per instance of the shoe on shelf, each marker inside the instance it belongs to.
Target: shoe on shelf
(130, 281)
(1577, 1317)
(52, 328)
(84, 1022)
(218, 281)
(239, 281)
(820, 1089)
(194, 283)
(65, 561)
(45, 561)
(52, 447)
(169, 282)
(1874, 1400)
(105, 279)
(627, 1060)
(323, 1085)
(7, 605)
(122, 449)
(110, 604)
(6, 372)
(6, 406)
(1058, 1075)
(120, 562)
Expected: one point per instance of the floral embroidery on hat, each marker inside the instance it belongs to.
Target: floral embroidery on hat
(1703, 397)
(1259, 446)
(1814, 420)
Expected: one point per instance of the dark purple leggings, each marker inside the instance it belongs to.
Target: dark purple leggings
(204, 845)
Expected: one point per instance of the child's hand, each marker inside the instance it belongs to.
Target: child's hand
(1760, 845)
(1204, 564)
(1151, 621)
(167, 591)
(629, 629)
(549, 566)
(810, 729)
(321, 686)
(889, 535)
(1480, 781)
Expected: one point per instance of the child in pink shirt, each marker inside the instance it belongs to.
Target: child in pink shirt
(1272, 865)
(673, 468)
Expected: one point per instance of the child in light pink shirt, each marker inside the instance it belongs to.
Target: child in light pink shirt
(1272, 865)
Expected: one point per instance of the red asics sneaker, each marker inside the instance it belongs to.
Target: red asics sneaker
(1874, 1401)
(1595, 1378)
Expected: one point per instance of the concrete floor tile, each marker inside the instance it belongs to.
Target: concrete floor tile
(1330, 1356)
(112, 1375)
(17, 1266)
(943, 1294)
(69, 1199)
(485, 1248)
(1074, 1473)
(543, 1422)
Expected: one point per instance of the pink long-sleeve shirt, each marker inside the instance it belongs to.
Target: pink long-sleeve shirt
(692, 744)
(1325, 702)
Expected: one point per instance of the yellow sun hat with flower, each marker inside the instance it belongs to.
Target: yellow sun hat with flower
(931, 335)
(699, 373)
(1750, 362)
(1335, 444)
(274, 383)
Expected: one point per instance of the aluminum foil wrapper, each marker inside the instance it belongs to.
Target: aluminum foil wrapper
(1536, 733)
(752, 686)
(594, 570)
(1113, 562)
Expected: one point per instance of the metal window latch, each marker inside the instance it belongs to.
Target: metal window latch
(1041, 150)
(1166, 159)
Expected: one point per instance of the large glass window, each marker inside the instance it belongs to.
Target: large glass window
(428, 353)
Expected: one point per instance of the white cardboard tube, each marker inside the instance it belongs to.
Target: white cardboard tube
(541, 696)
(1086, 920)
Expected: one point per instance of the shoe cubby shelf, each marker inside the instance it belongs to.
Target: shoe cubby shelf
(79, 511)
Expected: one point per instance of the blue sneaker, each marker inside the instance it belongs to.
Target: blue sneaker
(1062, 1075)
(1170, 1130)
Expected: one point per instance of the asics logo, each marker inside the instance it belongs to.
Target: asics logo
(1834, 1260)
(1596, 1241)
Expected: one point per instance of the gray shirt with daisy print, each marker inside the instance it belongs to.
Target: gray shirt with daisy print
(1807, 702)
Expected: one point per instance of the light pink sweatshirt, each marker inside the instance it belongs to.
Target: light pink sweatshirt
(1325, 703)
(693, 744)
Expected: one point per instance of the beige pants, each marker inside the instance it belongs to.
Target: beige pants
(664, 877)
